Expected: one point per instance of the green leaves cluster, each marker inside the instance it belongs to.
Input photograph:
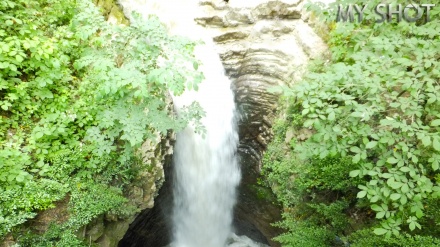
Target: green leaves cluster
(78, 97)
(87, 202)
(375, 102)
(315, 195)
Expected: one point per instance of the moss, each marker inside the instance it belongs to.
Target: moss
(118, 15)
(263, 193)
(112, 11)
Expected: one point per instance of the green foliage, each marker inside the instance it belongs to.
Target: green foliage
(315, 197)
(54, 236)
(302, 234)
(87, 201)
(90, 200)
(373, 105)
(78, 97)
(364, 238)
(20, 203)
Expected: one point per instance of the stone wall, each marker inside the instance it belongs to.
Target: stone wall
(107, 230)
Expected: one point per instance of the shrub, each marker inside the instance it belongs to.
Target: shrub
(373, 109)
(78, 97)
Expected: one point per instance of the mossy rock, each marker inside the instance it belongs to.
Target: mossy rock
(112, 11)
(263, 193)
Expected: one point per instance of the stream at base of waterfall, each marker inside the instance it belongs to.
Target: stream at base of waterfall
(239, 241)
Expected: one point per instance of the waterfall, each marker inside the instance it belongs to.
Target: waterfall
(206, 170)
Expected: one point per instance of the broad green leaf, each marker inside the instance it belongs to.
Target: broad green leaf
(435, 122)
(380, 231)
(380, 215)
(305, 111)
(373, 182)
(392, 160)
(38, 135)
(395, 196)
(436, 144)
(361, 194)
(19, 58)
(12, 67)
(405, 188)
(355, 149)
(19, 178)
(393, 183)
(371, 144)
(405, 169)
(412, 226)
(331, 116)
(355, 173)
(435, 165)
(356, 158)
(374, 199)
(403, 200)
(419, 213)
(426, 140)
(376, 207)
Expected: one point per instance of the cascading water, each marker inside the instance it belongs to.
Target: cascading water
(206, 169)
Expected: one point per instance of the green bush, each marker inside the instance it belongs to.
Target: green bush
(373, 115)
(21, 203)
(87, 201)
(364, 238)
(54, 236)
(78, 97)
(303, 234)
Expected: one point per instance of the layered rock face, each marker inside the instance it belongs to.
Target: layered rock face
(108, 230)
(262, 44)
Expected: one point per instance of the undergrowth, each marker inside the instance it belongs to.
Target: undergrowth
(361, 168)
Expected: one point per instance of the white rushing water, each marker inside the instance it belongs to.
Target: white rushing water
(206, 169)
